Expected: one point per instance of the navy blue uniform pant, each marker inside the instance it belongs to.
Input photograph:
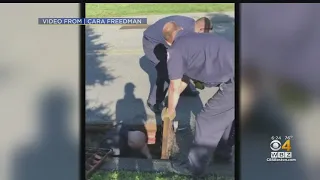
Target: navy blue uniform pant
(213, 126)
(157, 54)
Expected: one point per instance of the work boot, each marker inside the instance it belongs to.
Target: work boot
(220, 157)
(225, 159)
(156, 108)
(181, 168)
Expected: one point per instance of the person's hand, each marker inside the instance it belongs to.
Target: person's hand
(168, 114)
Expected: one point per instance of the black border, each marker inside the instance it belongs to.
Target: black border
(82, 93)
(237, 173)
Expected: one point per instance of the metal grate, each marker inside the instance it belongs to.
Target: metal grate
(94, 158)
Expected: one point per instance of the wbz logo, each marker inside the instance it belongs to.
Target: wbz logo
(281, 154)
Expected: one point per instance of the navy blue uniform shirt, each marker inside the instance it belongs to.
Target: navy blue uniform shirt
(154, 32)
(204, 57)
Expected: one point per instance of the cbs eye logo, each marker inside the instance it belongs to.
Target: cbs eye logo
(276, 145)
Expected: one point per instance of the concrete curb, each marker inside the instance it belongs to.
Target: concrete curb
(156, 166)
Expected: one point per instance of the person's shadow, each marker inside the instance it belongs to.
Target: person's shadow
(130, 110)
(54, 155)
(223, 25)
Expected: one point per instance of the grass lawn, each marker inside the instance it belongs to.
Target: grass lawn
(130, 9)
(118, 175)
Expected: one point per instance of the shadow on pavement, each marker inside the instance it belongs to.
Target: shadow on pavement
(95, 52)
(148, 67)
(96, 74)
(52, 155)
(223, 25)
(98, 113)
(130, 110)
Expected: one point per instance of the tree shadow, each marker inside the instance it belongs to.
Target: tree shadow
(95, 52)
(98, 113)
(96, 74)
(54, 155)
(223, 25)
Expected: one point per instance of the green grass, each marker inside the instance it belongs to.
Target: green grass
(123, 175)
(130, 9)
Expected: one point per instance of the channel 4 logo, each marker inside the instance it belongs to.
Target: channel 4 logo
(281, 151)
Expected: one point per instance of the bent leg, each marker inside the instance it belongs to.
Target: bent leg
(160, 52)
(223, 153)
(148, 48)
(211, 124)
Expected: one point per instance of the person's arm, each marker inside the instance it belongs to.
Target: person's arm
(177, 80)
(174, 94)
(176, 87)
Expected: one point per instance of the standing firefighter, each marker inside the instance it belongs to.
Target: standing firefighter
(208, 59)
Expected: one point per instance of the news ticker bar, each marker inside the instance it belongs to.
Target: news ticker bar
(88, 21)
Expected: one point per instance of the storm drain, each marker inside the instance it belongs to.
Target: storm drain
(94, 159)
